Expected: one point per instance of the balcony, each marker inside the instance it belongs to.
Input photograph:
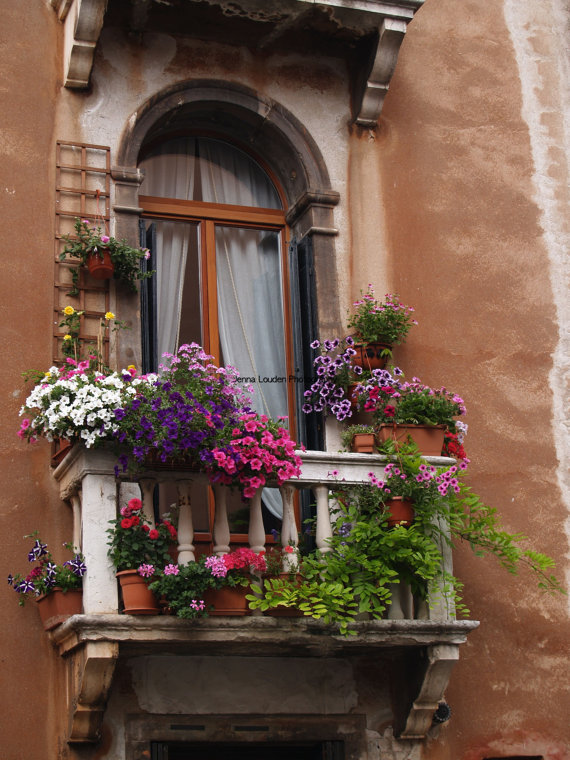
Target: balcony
(421, 637)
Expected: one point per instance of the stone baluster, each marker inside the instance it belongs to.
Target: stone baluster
(256, 533)
(185, 525)
(98, 507)
(395, 611)
(324, 529)
(289, 530)
(221, 524)
(76, 510)
(147, 486)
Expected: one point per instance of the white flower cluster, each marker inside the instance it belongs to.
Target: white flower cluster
(75, 405)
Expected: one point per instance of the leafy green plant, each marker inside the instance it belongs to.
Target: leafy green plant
(381, 322)
(365, 558)
(133, 541)
(90, 240)
(348, 434)
(47, 576)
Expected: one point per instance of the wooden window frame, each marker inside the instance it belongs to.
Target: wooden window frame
(208, 216)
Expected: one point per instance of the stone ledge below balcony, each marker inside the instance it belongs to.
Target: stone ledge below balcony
(259, 635)
(92, 645)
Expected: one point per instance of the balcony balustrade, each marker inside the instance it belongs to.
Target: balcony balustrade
(87, 480)
(93, 641)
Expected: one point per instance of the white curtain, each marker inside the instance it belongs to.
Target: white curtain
(169, 173)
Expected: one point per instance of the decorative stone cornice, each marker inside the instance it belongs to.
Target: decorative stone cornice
(388, 19)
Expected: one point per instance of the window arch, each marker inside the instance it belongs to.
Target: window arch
(263, 128)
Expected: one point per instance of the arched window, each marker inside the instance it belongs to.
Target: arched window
(217, 230)
(214, 222)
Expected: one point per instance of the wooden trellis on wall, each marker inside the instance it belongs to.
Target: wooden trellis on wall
(83, 184)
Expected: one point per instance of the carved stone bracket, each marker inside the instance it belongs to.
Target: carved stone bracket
(90, 672)
(370, 101)
(83, 20)
(440, 660)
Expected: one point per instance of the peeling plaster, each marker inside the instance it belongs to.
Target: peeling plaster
(546, 110)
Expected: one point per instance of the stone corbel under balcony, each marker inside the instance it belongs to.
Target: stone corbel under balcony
(92, 644)
(426, 645)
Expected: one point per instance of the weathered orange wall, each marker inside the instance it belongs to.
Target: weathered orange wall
(29, 77)
(464, 243)
(439, 207)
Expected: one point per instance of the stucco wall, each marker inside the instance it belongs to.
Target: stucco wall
(456, 202)
(32, 679)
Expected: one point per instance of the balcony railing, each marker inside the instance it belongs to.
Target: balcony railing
(87, 480)
(92, 643)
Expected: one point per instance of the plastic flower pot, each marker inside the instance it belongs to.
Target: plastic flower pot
(100, 265)
(428, 438)
(59, 605)
(400, 512)
(227, 600)
(138, 599)
(371, 355)
(363, 443)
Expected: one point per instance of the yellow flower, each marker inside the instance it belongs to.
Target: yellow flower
(47, 375)
(69, 310)
(109, 315)
(131, 366)
(67, 337)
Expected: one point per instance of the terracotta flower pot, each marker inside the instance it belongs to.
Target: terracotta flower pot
(428, 438)
(227, 600)
(100, 265)
(363, 443)
(138, 599)
(61, 450)
(370, 355)
(400, 512)
(58, 605)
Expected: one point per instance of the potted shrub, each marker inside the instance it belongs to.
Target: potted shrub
(55, 587)
(379, 325)
(410, 410)
(103, 256)
(134, 545)
(368, 555)
(235, 571)
(212, 585)
(359, 438)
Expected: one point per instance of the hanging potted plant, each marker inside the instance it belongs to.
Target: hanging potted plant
(103, 256)
(56, 588)
(135, 549)
(369, 554)
(379, 326)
